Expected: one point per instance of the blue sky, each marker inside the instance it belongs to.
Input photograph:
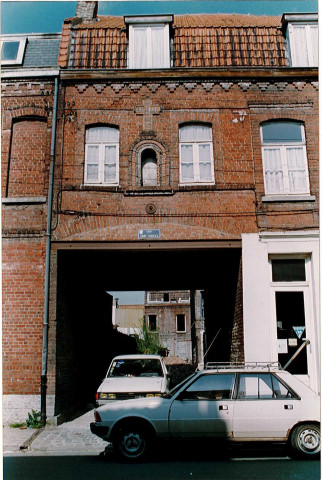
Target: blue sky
(129, 298)
(47, 16)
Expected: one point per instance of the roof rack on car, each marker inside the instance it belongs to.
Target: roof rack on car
(243, 366)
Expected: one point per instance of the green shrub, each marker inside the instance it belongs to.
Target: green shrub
(34, 419)
(147, 342)
(17, 425)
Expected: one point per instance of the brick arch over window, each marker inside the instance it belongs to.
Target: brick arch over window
(149, 167)
(27, 159)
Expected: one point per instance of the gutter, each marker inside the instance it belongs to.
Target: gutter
(29, 73)
(186, 74)
(43, 385)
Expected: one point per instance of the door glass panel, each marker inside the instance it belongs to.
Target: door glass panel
(280, 391)
(290, 316)
(254, 386)
(290, 270)
(212, 387)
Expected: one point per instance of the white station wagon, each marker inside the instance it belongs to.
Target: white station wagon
(133, 376)
(243, 404)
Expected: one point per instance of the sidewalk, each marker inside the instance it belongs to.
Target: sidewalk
(72, 437)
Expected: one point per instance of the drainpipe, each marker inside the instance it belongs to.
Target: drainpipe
(43, 384)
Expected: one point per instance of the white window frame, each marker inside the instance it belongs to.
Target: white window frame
(185, 323)
(20, 53)
(101, 145)
(296, 286)
(282, 147)
(196, 169)
(134, 61)
(308, 46)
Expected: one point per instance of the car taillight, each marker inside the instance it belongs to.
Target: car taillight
(97, 416)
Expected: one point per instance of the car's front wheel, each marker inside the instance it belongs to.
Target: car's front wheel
(132, 442)
(305, 441)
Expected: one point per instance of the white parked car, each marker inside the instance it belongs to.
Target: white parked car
(240, 404)
(133, 376)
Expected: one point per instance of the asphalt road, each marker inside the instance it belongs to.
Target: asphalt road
(171, 464)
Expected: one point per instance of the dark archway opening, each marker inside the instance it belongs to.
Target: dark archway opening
(85, 339)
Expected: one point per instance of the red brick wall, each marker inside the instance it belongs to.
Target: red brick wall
(237, 353)
(223, 211)
(27, 158)
(26, 138)
(22, 324)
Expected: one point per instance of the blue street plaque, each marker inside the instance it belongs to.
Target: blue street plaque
(148, 234)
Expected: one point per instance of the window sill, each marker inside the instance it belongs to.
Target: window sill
(110, 188)
(288, 198)
(23, 200)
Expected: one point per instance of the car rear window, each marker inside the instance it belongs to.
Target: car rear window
(136, 368)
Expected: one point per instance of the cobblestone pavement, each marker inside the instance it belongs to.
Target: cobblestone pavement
(70, 437)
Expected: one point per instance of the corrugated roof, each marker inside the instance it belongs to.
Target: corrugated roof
(215, 40)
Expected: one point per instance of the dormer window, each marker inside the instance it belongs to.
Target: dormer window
(12, 50)
(302, 36)
(149, 41)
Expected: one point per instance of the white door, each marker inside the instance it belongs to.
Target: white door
(265, 408)
(205, 408)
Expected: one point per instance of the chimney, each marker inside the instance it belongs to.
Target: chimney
(87, 11)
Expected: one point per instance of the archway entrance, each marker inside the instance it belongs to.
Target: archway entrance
(85, 339)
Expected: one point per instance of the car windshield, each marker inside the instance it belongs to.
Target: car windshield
(125, 367)
(175, 389)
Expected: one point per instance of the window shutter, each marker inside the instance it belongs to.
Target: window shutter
(157, 47)
(299, 51)
(140, 47)
(296, 169)
(92, 163)
(273, 170)
(314, 38)
(187, 163)
(205, 162)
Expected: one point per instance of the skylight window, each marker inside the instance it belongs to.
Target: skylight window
(12, 51)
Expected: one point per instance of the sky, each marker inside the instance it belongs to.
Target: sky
(47, 16)
(129, 298)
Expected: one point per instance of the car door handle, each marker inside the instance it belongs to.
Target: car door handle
(288, 407)
(223, 407)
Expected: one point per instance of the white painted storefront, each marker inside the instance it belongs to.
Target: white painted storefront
(264, 293)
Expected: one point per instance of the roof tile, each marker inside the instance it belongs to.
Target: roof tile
(214, 40)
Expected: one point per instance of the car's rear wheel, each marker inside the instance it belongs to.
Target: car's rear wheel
(132, 442)
(305, 441)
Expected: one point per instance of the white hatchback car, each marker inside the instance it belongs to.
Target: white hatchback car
(239, 404)
(133, 376)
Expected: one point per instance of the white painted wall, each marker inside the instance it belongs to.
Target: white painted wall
(260, 337)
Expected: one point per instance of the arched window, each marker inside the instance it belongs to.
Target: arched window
(284, 158)
(196, 154)
(102, 156)
(149, 168)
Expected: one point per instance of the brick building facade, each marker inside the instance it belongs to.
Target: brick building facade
(195, 169)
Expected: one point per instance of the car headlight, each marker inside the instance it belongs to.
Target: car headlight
(107, 396)
(153, 395)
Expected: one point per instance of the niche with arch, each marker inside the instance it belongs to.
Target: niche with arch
(149, 165)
